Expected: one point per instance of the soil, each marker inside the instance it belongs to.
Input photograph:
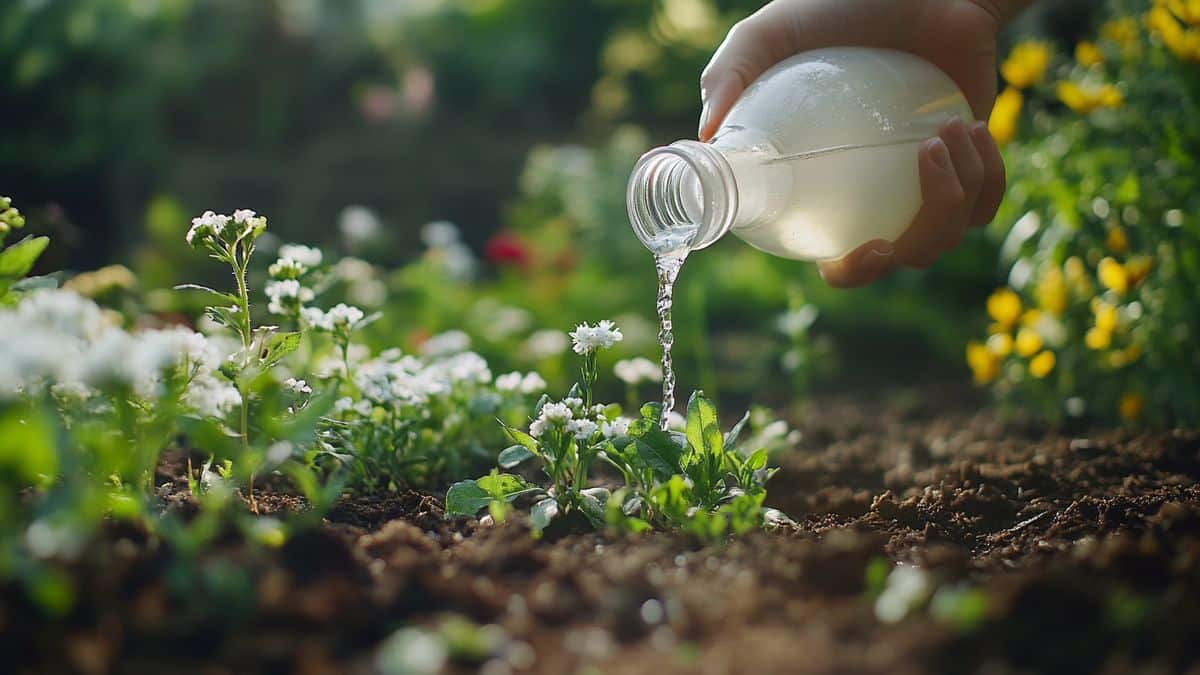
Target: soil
(1081, 551)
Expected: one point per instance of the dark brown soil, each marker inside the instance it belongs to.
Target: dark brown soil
(1085, 548)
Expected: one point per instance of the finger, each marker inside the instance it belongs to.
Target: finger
(753, 45)
(942, 203)
(861, 266)
(991, 192)
(967, 164)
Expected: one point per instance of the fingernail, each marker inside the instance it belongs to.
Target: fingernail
(882, 249)
(938, 153)
(979, 130)
(705, 112)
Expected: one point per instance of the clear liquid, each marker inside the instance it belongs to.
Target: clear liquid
(667, 265)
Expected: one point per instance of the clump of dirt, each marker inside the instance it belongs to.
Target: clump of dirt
(1041, 551)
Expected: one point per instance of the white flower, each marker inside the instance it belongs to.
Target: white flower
(794, 322)
(439, 234)
(285, 295)
(208, 225)
(532, 383)
(446, 344)
(242, 216)
(616, 428)
(581, 429)
(590, 338)
(305, 255)
(553, 415)
(342, 316)
(211, 397)
(573, 402)
(509, 381)
(286, 268)
(465, 367)
(637, 370)
(545, 343)
(456, 260)
(359, 225)
(297, 386)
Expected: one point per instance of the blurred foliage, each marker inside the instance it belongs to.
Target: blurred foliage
(1099, 315)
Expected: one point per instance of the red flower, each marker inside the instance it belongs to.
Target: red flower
(505, 248)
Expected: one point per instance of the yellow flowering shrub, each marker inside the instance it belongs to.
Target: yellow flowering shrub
(1099, 314)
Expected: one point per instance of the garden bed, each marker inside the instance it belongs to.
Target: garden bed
(1040, 551)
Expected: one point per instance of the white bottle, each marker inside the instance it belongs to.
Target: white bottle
(817, 157)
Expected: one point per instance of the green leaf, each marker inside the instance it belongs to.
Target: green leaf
(35, 283)
(652, 411)
(731, 438)
(27, 446)
(278, 346)
(504, 485)
(523, 439)
(513, 455)
(466, 498)
(228, 297)
(543, 512)
(658, 451)
(757, 460)
(592, 508)
(702, 431)
(18, 259)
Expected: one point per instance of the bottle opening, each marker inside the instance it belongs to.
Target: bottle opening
(681, 197)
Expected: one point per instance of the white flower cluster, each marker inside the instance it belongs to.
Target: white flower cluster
(287, 296)
(588, 339)
(395, 380)
(529, 383)
(445, 344)
(637, 370)
(58, 341)
(341, 317)
(211, 228)
(570, 416)
(286, 292)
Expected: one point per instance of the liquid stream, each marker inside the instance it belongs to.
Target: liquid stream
(667, 265)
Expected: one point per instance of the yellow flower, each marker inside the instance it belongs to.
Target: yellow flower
(1097, 338)
(984, 364)
(1041, 365)
(1183, 43)
(1028, 342)
(1004, 306)
(1006, 113)
(1051, 292)
(1085, 100)
(1088, 54)
(1130, 406)
(1113, 275)
(1000, 344)
(1026, 64)
(1106, 315)
(1188, 11)
(1116, 241)
(1138, 268)
(1122, 31)
(1031, 317)
(1077, 276)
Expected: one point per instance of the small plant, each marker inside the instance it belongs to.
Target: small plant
(17, 260)
(697, 481)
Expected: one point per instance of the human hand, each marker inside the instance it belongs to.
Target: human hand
(961, 171)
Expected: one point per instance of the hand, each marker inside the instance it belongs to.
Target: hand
(962, 173)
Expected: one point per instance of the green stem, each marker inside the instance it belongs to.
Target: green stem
(239, 273)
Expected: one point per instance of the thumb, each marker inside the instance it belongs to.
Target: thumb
(753, 45)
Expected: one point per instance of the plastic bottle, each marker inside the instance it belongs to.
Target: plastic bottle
(817, 157)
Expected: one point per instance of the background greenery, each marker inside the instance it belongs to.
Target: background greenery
(123, 118)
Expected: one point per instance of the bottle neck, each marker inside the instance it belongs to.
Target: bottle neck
(682, 197)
